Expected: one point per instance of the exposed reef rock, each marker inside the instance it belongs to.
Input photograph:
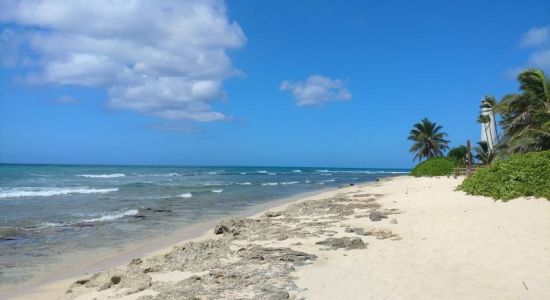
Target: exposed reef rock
(240, 262)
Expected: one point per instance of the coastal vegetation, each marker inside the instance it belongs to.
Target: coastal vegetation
(428, 140)
(435, 166)
(517, 158)
(483, 154)
(519, 164)
(520, 175)
(525, 116)
(459, 154)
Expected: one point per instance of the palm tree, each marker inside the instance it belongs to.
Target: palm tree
(483, 154)
(428, 140)
(460, 154)
(526, 115)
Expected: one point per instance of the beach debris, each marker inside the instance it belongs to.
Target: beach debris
(344, 242)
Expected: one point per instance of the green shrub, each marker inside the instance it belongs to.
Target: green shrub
(459, 154)
(437, 166)
(520, 175)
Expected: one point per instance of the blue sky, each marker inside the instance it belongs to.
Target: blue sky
(295, 83)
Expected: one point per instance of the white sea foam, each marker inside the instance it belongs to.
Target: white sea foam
(217, 191)
(45, 192)
(214, 184)
(329, 180)
(323, 171)
(270, 183)
(45, 225)
(307, 181)
(289, 182)
(355, 178)
(326, 174)
(214, 172)
(185, 195)
(243, 173)
(244, 183)
(262, 171)
(297, 171)
(130, 212)
(102, 175)
(271, 173)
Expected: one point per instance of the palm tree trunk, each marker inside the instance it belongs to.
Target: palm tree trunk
(492, 143)
(495, 123)
(486, 135)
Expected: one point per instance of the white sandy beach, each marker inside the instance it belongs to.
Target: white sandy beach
(432, 243)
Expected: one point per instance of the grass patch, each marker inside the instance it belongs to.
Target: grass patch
(437, 166)
(520, 175)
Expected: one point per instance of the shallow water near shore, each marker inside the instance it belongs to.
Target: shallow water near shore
(49, 213)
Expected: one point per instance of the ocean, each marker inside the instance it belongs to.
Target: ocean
(51, 212)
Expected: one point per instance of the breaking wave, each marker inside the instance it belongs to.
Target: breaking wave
(102, 175)
(289, 182)
(46, 192)
(130, 212)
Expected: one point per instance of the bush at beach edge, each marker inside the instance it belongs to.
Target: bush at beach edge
(520, 175)
(436, 166)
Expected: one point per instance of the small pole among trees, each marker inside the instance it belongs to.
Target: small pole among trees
(469, 157)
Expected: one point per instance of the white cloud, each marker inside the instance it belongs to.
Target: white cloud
(538, 40)
(316, 90)
(535, 36)
(541, 59)
(161, 58)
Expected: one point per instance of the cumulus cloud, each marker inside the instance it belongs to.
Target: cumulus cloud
(535, 36)
(316, 90)
(537, 40)
(162, 58)
(541, 59)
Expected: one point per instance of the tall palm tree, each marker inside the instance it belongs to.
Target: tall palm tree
(526, 115)
(428, 140)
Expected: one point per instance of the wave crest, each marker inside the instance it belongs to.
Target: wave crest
(102, 175)
(46, 192)
(130, 212)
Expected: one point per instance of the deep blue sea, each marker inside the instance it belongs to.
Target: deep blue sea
(51, 211)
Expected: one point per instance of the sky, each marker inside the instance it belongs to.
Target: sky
(264, 83)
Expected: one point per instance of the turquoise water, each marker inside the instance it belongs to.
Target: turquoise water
(50, 211)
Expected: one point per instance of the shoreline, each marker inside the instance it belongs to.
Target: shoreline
(400, 238)
(49, 283)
